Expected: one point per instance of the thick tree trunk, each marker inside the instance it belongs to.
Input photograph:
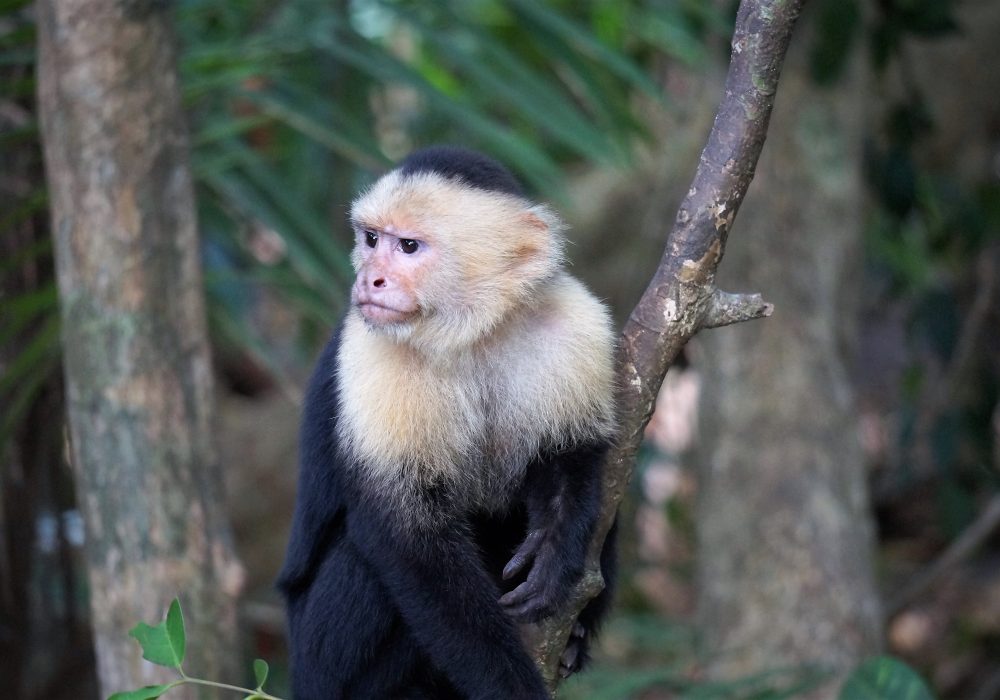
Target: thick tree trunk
(785, 535)
(138, 378)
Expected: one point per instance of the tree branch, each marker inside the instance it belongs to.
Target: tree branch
(725, 309)
(681, 298)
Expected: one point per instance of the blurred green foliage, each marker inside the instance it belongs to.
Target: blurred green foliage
(884, 677)
(28, 312)
(647, 655)
(838, 26)
(928, 236)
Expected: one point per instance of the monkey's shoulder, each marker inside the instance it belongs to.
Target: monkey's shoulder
(560, 360)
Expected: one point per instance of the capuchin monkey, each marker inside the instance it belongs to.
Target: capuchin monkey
(451, 446)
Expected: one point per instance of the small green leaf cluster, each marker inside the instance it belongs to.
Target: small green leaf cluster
(164, 645)
(884, 677)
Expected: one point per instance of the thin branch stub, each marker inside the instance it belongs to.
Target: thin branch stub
(726, 308)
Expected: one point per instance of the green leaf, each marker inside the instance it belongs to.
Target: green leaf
(17, 408)
(34, 356)
(12, 5)
(146, 693)
(175, 629)
(839, 23)
(585, 42)
(884, 677)
(297, 115)
(260, 672)
(22, 310)
(537, 167)
(27, 253)
(492, 68)
(256, 189)
(163, 644)
(220, 129)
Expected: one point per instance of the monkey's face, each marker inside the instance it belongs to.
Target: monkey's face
(392, 265)
(440, 264)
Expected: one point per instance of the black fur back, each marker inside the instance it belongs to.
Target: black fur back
(473, 168)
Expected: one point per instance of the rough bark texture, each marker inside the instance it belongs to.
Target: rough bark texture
(785, 535)
(682, 297)
(138, 378)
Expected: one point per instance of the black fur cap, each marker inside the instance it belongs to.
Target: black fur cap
(473, 168)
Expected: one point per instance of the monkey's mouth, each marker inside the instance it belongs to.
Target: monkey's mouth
(379, 314)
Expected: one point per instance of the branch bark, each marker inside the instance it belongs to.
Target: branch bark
(681, 299)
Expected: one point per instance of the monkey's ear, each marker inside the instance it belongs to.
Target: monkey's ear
(532, 219)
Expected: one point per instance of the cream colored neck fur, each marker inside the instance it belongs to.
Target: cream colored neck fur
(474, 417)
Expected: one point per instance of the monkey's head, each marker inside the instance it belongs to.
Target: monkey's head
(447, 247)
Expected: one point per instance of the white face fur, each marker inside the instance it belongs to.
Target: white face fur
(455, 260)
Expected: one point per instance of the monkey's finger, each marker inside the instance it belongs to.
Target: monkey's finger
(567, 662)
(531, 611)
(523, 554)
(519, 594)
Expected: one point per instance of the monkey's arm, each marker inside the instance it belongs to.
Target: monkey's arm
(562, 493)
(449, 603)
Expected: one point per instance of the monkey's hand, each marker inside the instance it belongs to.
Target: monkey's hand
(547, 583)
(575, 655)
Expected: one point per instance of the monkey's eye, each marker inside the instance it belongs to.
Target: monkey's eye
(408, 245)
(371, 238)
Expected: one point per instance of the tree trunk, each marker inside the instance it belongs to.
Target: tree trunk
(784, 531)
(138, 377)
